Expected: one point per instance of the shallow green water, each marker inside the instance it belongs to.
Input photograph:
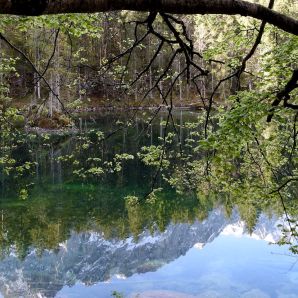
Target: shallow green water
(75, 237)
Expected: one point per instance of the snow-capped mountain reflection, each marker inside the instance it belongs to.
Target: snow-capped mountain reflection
(89, 258)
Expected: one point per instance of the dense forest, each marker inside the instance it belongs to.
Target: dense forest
(129, 59)
(241, 72)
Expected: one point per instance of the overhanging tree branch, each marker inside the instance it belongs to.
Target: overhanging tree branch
(284, 95)
(227, 7)
(253, 49)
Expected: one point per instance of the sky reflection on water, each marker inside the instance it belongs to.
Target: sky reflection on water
(230, 266)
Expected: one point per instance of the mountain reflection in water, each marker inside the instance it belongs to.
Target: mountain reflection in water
(78, 238)
(212, 256)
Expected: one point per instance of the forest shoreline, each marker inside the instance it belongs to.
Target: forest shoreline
(79, 113)
(190, 107)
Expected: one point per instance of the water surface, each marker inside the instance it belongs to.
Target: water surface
(75, 237)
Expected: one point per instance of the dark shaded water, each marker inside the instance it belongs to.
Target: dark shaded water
(75, 236)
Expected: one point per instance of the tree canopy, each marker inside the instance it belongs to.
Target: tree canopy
(241, 72)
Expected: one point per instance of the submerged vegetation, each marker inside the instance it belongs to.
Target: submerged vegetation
(53, 185)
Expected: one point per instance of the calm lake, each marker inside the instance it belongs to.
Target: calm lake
(72, 235)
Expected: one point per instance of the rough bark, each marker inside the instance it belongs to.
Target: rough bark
(228, 7)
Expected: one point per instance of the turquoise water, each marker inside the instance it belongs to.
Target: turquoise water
(72, 236)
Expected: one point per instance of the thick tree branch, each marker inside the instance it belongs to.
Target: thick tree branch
(228, 7)
(284, 95)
